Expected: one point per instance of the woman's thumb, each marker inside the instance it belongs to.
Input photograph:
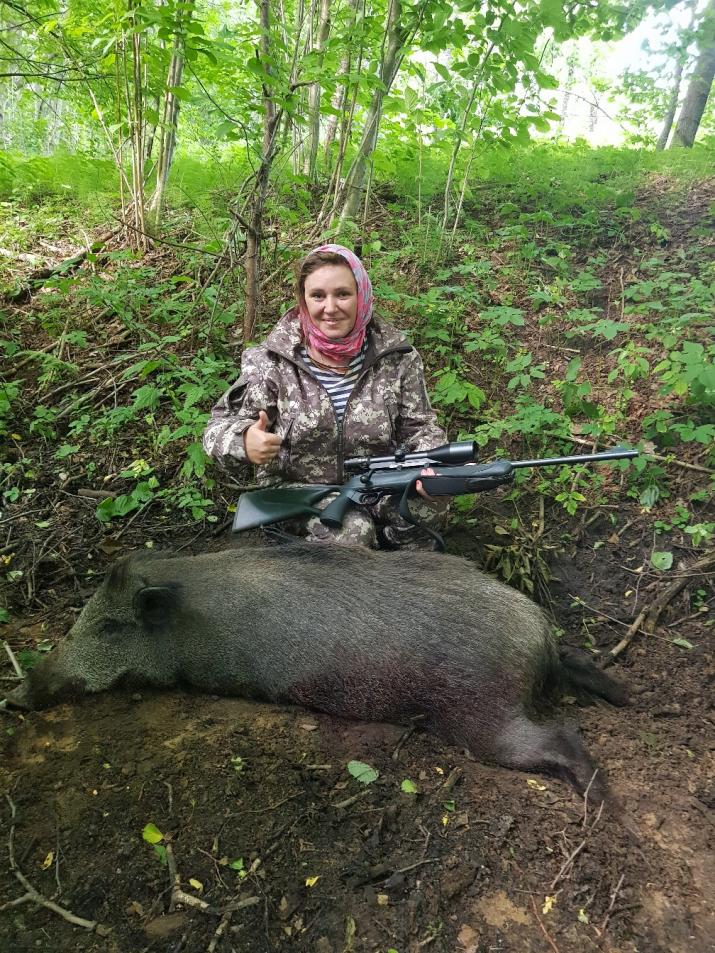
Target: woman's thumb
(262, 423)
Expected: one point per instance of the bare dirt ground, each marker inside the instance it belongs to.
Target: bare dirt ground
(479, 859)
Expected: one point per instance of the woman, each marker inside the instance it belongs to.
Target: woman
(331, 381)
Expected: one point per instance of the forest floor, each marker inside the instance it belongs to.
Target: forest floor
(256, 804)
(480, 858)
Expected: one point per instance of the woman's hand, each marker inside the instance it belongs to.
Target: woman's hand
(261, 446)
(421, 490)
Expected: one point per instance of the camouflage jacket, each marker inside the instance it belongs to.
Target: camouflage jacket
(388, 408)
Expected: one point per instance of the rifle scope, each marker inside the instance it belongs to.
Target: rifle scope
(461, 451)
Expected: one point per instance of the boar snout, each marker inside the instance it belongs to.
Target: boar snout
(42, 688)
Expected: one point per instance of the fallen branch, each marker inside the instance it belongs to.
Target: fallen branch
(220, 930)
(96, 494)
(20, 256)
(15, 664)
(42, 275)
(404, 870)
(648, 617)
(188, 900)
(33, 896)
(351, 800)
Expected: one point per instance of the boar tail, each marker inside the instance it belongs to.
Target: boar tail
(580, 672)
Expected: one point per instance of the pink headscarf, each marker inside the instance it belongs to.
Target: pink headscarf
(350, 345)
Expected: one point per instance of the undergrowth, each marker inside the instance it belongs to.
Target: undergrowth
(573, 311)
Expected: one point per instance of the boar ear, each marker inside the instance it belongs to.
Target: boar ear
(157, 605)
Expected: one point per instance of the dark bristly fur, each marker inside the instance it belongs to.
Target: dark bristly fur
(355, 633)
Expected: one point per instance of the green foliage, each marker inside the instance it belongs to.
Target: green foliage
(161, 396)
(152, 835)
(521, 558)
(362, 772)
(689, 373)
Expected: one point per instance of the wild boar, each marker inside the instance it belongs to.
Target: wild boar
(344, 630)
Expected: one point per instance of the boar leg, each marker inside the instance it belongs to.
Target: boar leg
(553, 749)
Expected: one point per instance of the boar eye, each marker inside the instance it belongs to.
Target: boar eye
(110, 627)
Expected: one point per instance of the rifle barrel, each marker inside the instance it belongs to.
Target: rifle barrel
(620, 453)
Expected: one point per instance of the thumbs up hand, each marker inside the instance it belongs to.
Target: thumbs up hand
(261, 445)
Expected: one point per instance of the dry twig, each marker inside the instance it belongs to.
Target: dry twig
(454, 775)
(648, 617)
(220, 930)
(406, 735)
(179, 896)
(567, 865)
(543, 928)
(33, 896)
(614, 896)
(15, 664)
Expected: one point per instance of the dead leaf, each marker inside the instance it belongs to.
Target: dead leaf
(110, 546)
(467, 936)
(535, 784)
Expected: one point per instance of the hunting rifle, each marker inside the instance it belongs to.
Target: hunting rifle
(455, 472)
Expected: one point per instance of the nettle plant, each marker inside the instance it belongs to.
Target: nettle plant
(186, 392)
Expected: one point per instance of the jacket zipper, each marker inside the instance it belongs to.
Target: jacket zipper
(363, 372)
(340, 457)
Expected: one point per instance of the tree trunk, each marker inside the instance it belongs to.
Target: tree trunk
(340, 95)
(269, 107)
(461, 132)
(681, 58)
(311, 154)
(170, 116)
(290, 127)
(700, 84)
(352, 191)
(458, 145)
(673, 102)
(332, 194)
(137, 129)
(133, 100)
(254, 224)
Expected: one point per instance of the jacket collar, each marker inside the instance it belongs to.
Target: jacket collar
(285, 338)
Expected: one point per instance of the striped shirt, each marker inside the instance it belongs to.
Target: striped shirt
(338, 386)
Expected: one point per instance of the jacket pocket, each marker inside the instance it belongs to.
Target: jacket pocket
(233, 398)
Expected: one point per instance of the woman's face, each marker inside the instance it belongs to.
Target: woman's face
(331, 300)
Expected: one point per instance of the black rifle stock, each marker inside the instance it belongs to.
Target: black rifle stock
(397, 475)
